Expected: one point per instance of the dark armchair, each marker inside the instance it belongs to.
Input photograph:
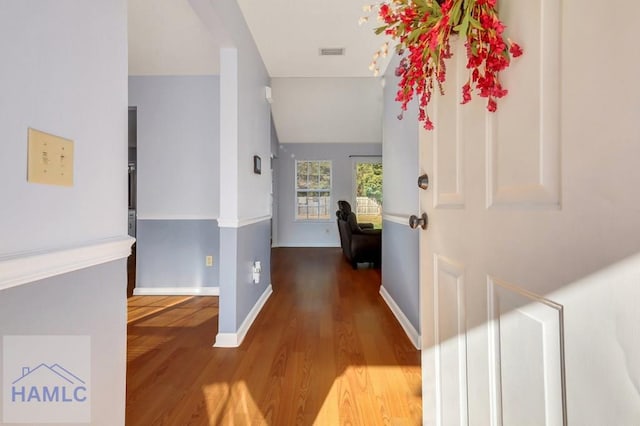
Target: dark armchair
(360, 242)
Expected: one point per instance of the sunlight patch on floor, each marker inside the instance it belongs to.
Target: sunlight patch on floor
(180, 317)
(231, 404)
(144, 306)
(329, 410)
(385, 404)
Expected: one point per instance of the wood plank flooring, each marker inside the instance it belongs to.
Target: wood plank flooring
(325, 350)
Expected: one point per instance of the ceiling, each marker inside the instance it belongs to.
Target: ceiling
(289, 34)
(166, 37)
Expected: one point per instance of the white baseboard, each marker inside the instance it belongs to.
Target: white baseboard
(176, 291)
(233, 340)
(408, 328)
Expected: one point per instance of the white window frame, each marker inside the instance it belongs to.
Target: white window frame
(296, 190)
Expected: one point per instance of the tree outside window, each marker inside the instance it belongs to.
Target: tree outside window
(369, 192)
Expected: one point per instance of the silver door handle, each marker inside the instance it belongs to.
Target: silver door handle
(423, 182)
(422, 221)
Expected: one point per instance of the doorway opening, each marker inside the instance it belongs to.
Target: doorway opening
(132, 145)
(367, 189)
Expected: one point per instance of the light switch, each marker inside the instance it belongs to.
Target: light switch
(50, 159)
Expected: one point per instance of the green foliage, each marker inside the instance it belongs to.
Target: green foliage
(369, 181)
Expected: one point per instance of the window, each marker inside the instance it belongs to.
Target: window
(367, 180)
(313, 190)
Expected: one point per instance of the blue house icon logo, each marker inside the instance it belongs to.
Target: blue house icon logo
(48, 384)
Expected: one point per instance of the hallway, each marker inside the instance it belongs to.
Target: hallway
(325, 350)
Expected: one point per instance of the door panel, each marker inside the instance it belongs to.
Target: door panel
(450, 333)
(523, 159)
(525, 352)
(448, 165)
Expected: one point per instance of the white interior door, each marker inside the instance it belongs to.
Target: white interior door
(530, 265)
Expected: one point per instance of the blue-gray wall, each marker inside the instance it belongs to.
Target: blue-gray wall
(91, 301)
(178, 180)
(293, 233)
(400, 269)
(400, 254)
(64, 71)
(244, 246)
(177, 146)
(173, 254)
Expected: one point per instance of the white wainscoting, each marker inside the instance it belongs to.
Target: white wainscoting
(396, 218)
(25, 267)
(239, 223)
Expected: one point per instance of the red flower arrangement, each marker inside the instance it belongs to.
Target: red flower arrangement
(422, 29)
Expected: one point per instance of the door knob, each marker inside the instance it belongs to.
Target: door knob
(422, 221)
(423, 181)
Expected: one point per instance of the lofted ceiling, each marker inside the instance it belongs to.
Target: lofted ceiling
(289, 34)
(166, 37)
(315, 98)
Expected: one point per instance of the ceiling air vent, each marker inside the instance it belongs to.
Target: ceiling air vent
(332, 51)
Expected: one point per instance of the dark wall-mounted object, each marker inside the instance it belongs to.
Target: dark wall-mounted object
(257, 166)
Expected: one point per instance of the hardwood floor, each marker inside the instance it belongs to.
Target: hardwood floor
(325, 350)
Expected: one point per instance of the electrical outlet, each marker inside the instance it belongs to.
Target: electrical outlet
(208, 260)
